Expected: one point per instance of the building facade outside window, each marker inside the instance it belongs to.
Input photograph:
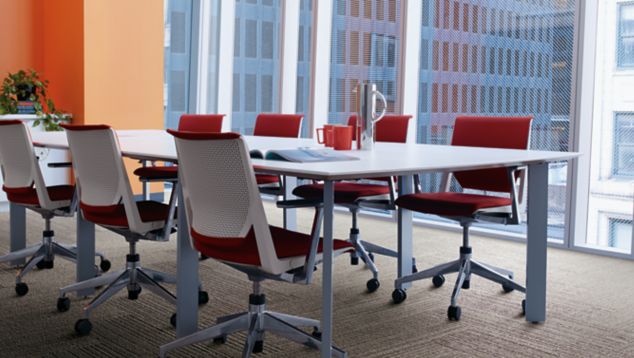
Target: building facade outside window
(625, 40)
(256, 62)
(623, 162)
(499, 58)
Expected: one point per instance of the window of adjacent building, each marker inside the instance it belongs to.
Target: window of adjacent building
(625, 41)
(365, 47)
(623, 160)
(500, 58)
(255, 62)
(620, 234)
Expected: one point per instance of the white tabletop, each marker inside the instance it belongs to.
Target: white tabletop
(387, 158)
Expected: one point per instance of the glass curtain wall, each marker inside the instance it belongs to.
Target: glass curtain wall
(500, 58)
(256, 61)
(365, 47)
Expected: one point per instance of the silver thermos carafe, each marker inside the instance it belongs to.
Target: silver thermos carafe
(366, 97)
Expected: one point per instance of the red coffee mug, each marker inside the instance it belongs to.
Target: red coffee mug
(326, 135)
(342, 137)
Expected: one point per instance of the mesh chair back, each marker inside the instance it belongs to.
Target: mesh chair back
(278, 125)
(19, 165)
(221, 196)
(491, 132)
(201, 123)
(100, 174)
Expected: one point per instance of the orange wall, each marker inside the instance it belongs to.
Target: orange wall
(60, 37)
(17, 48)
(103, 58)
(123, 42)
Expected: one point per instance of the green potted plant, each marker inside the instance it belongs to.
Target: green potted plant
(27, 86)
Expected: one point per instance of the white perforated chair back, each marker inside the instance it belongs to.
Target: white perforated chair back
(100, 174)
(19, 164)
(221, 195)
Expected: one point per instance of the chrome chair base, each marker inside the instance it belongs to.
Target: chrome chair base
(45, 253)
(133, 277)
(256, 322)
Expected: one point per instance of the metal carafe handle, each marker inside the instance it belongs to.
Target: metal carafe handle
(382, 98)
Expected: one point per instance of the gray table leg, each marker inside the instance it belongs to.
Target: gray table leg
(537, 239)
(405, 228)
(18, 230)
(326, 305)
(290, 215)
(85, 253)
(186, 276)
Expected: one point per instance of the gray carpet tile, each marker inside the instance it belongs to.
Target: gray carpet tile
(589, 304)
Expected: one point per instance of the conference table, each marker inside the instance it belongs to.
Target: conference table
(387, 159)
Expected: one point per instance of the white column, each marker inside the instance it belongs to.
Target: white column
(288, 64)
(411, 17)
(320, 72)
(581, 122)
(225, 62)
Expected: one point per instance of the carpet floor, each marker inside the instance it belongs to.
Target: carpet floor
(589, 304)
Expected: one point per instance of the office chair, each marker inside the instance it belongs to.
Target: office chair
(25, 186)
(230, 225)
(467, 208)
(187, 123)
(106, 199)
(275, 125)
(357, 195)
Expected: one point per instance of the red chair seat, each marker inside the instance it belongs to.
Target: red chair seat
(28, 196)
(114, 215)
(157, 172)
(450, 203)
(266, 179)
(245, 250)
(345, 192)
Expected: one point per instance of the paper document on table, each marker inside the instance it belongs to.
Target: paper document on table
(303, 155)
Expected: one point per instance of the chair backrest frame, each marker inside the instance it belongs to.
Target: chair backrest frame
(234, 206)
(201, 123)
(20, 168)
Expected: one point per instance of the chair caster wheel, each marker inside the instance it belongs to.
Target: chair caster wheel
(524, 307)
(202, 257)
(373, 285)
(220, 340)
(258, 347)
(134, 294)
(45, 264)
(105, 265)
(354, 260)
(466, 284)
(203, 298)
(173, 320)
(453, 313)
(316, 333)
(83, 327)
(414, 268)
(399, 295)
(438, 280)
(21, 289)
(63, 304)
(506, 288)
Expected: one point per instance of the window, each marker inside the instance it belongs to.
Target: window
(500, 65)
(303, 63)
(364, 48)
(625, 41)
(255, 62)
(620, 234)
(623, 159)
